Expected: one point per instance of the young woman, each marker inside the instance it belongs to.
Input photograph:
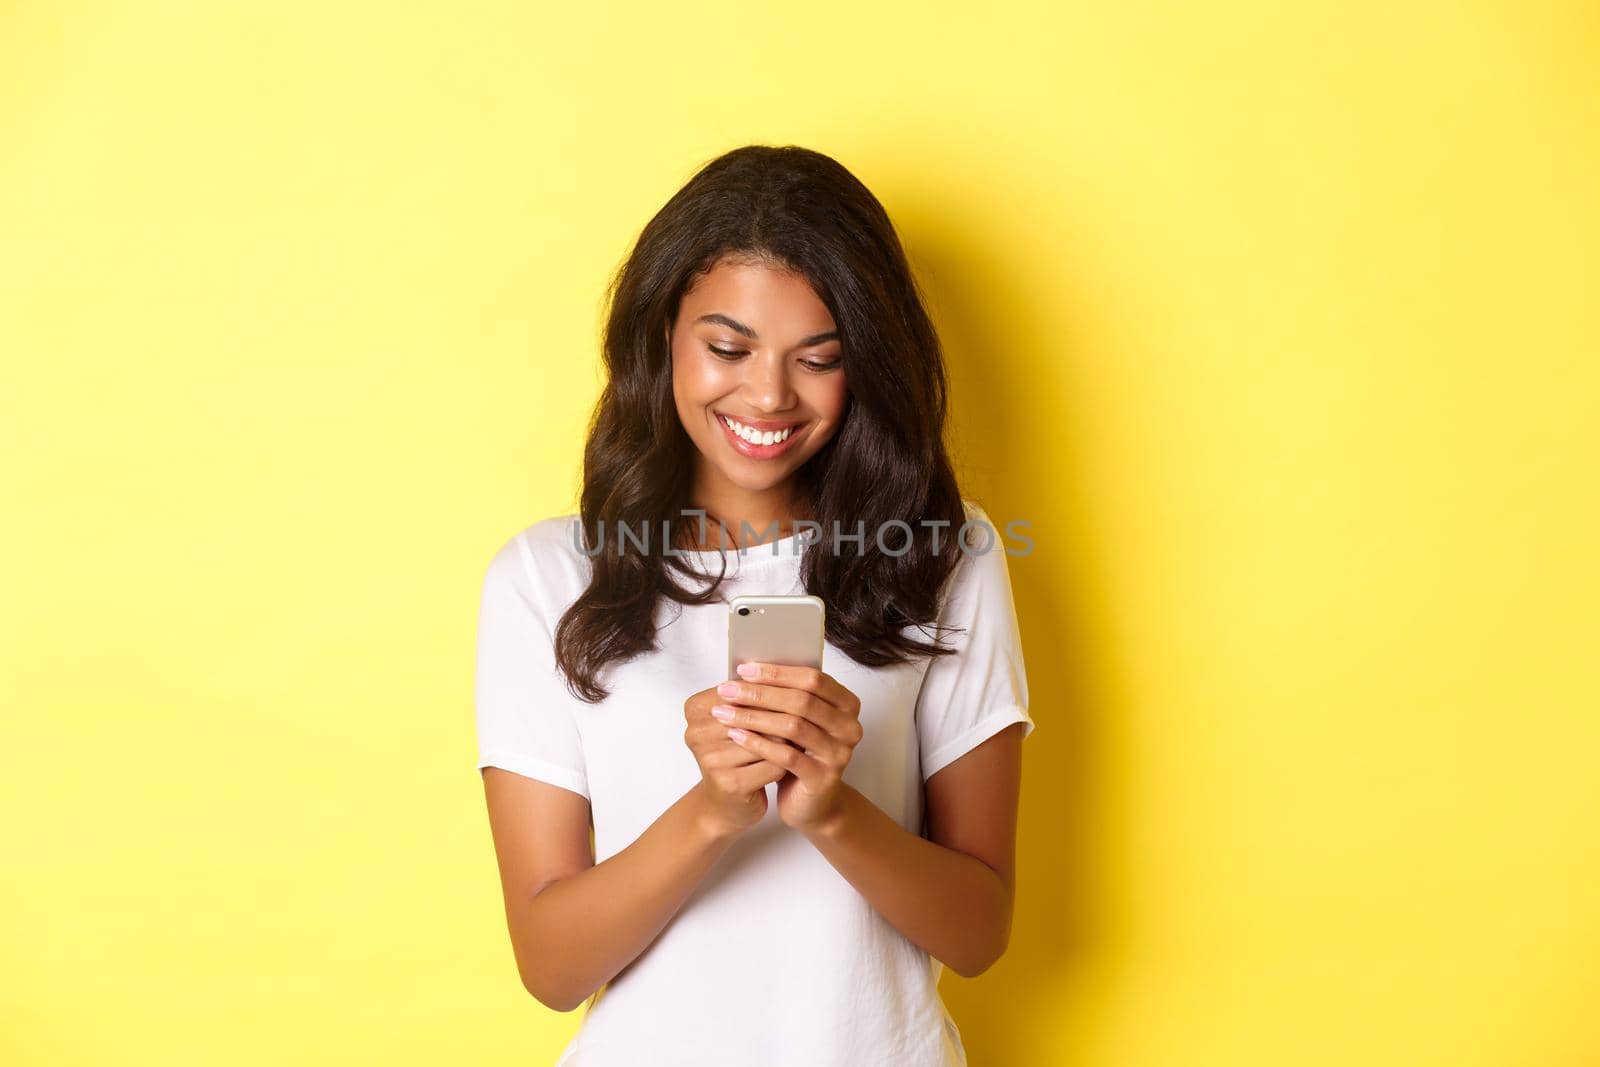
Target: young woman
(780, 865)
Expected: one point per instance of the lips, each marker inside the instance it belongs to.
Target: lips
(759, 424)
(754, 451)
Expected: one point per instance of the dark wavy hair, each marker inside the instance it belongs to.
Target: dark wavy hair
(803, 211)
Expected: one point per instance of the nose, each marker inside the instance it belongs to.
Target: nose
(766, 386)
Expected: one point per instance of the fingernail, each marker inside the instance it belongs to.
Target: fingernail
(736, 733)
(728, 689)
(723, 712)
(749, 670)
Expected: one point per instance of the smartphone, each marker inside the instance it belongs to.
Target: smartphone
(775, 629)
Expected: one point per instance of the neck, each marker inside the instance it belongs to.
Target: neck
(760, 509)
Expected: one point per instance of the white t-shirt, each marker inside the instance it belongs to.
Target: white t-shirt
(774, 959)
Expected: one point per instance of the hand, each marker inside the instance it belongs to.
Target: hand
(733, 779)
(819, 722)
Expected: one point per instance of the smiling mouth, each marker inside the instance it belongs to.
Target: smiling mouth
(759, 443)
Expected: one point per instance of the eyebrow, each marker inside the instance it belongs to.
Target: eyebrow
(734, 324)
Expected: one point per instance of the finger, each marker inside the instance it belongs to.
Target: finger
(799, 702)
(709, 742)
(728, 754)
(811, 679)
(758, 774)
(802, 733)
(706, 725)
(714, 731)
(791, 759)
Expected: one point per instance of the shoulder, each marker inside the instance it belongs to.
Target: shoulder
(979, 536)
(975, 512)
(542, 561)
(980, 570)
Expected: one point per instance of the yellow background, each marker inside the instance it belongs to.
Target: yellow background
(1276, 320)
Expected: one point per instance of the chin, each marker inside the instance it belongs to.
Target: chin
(754, 482)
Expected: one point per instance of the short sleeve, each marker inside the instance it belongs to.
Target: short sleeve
(968, 697)
(525, 718)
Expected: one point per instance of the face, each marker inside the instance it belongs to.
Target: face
(757, 376)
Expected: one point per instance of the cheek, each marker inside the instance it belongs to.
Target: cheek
(700, 379)
(827, 397)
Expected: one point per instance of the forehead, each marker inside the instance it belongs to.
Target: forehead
(751, 290)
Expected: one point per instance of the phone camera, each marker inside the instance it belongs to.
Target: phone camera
(744, 611)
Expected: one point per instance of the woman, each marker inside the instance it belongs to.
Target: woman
(780, 865)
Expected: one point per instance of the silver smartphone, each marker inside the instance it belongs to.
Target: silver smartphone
(775, 629)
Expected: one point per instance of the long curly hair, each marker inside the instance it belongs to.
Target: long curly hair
(803, 210)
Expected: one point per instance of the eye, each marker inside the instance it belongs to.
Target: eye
(819, 366)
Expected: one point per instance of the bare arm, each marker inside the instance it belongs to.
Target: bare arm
(574, 923)
(950, 894)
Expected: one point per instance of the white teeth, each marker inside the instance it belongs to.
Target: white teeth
(758, 437)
